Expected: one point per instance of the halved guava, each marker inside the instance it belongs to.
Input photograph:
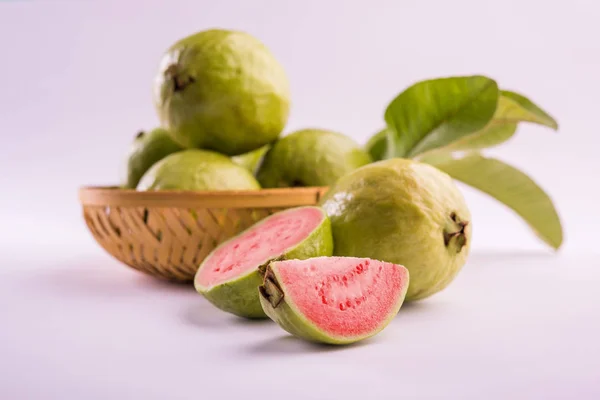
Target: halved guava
(230, 275)
(335, 300)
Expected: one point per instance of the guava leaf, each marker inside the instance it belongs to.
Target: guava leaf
(503, 125)
(377, 145)
(492, 135)
(434, 113)
(525, 110)
(509, 186)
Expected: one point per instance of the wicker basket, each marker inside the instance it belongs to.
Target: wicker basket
(167, 234)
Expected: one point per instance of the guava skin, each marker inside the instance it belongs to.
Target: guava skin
(403, 212)
(195, 169)
(376, 146)
(222, 90)
(310, 157)
(240, 296)
(253, 159)
(147, 149)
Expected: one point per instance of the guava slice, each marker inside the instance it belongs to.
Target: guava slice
(310, 157)
(222, 90)
(335, 300)
(230, 275)
(404, 212)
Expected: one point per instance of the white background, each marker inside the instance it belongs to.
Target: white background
(75, 86)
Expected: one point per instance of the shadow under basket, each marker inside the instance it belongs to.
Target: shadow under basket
(167, 234)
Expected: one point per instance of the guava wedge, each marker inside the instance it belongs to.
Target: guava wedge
(230, 275)
(310, 157)
(334, 300)
(147, 149)
(222, 90)
(404, 212)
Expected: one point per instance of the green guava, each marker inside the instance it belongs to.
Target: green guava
(404, 212)
(222, 90)
(376, 146)
(230, 275)
(334, 300)
(147, 149)
(310, 157)
(196, 169)
(252, 160)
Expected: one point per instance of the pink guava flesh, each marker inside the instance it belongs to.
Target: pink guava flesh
(343, 296)
(259, 244)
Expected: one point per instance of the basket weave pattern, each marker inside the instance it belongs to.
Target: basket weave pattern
(168, 235)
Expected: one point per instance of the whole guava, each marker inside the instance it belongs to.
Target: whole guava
(404, 212)
(196, 169)
(310, 157)
(222, 90)
(147, 149)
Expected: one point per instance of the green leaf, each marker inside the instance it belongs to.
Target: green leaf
(492, 135)
(503, 125)
(434, 113)
(377, 145)
(500, 129)
(524, 109)
(509, 186)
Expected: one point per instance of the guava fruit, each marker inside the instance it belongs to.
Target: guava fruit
(310, 157)
(230, 275)
(252, 160)
(335, 300)
(404, 212)
(196, 169)
(147, 149)
(222, 90)
(377, 145)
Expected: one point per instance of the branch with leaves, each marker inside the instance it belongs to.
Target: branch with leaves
(447, 122)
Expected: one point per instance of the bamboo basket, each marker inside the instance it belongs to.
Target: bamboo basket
(167, 234)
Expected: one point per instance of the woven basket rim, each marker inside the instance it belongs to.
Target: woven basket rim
(262, 198)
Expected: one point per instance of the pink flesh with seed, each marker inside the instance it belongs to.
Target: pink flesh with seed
(343, 296)
(263, 242)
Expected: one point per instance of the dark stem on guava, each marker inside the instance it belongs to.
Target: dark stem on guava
(456, 233)
(180, 82)
(270, 289)
(262, 269)
(140, 134)
(180, 79)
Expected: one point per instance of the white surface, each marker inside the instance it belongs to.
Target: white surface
(75, 85)
(512, 326)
